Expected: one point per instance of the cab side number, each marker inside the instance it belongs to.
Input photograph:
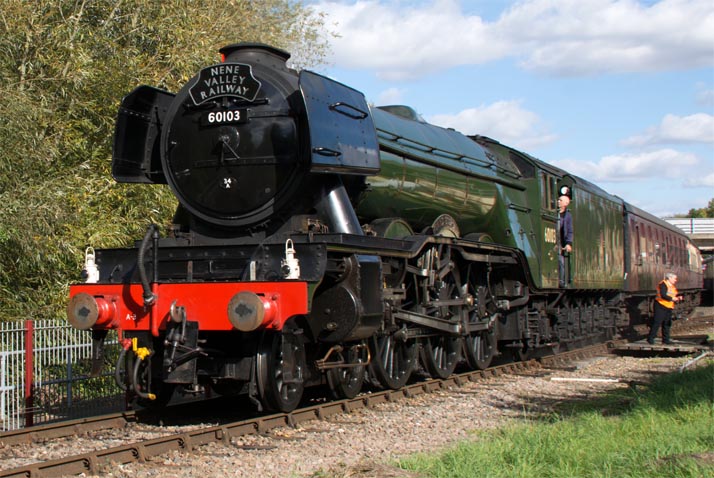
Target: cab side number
(550, 236)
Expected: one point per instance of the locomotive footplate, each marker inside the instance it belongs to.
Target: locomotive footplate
(409, 246)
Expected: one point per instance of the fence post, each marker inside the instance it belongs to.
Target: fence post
(70, 377)
(29, 372)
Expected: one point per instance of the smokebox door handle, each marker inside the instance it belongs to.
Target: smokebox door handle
(326, 152)
(348, 110)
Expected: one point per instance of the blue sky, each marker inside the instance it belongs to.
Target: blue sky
(618, 92)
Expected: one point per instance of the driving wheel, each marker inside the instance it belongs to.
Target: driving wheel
(393, 359)
(480, 348)
(440, 353)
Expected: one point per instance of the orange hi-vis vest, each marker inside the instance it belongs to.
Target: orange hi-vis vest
(671, 292)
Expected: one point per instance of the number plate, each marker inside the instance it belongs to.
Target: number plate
(225, 117)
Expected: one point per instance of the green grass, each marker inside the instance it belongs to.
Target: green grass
(663, 430)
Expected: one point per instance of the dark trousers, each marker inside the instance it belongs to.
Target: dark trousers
(563, 269)
(663, 318)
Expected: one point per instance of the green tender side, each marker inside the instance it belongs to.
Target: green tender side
(495, 193)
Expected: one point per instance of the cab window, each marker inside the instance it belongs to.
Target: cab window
(549, 191)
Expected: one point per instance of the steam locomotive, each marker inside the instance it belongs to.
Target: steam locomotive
(319, 240)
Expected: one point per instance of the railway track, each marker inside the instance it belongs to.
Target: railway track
(93, 462)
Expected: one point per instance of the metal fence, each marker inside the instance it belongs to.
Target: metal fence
(44, 375)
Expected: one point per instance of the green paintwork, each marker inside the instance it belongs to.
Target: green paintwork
(598, 253)
(491, 189)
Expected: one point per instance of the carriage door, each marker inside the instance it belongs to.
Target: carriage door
(549, 230)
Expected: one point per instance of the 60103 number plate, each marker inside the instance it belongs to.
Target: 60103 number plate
(226, 117)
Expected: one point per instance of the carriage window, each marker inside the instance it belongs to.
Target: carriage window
(665, 251)
(683, 253)
(657, 252)
(650, 244)
(658, 245)
(638, 244)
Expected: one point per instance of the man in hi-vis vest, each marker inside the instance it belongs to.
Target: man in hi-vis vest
(663, 308)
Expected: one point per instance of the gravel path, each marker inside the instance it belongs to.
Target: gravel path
(362, 444)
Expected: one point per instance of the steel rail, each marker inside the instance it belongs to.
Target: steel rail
(66, 428)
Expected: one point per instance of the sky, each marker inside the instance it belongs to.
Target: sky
(619, 92)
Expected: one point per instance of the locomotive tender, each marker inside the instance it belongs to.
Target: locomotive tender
(318, 239)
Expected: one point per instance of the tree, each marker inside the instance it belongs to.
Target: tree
(703, 212)
(64, 67)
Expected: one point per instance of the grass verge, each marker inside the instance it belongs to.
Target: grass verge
(663, 430)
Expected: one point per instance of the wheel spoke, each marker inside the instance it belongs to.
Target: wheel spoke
(393, 360)
(347, 382)
(441, 353)
(480, 349)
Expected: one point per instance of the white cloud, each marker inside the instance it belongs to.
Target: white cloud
(633, 167)
(584, 37)
(505, 120)
(701, 181)
(696, 128)
(406, 42)
(390, 96)
(705, 96)
(567, 37)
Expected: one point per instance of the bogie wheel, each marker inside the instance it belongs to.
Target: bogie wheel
(440, 354)
(281, 367)
(480, 348)
(393, 359)
(347, 382)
